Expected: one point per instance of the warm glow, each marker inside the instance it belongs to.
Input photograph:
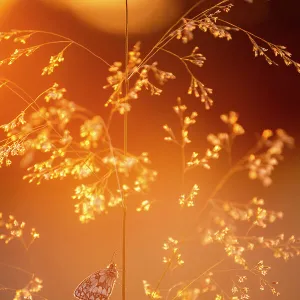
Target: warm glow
(171, 159)
(109, 15)
(5, 7)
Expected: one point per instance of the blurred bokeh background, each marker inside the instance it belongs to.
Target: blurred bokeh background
(265, 96)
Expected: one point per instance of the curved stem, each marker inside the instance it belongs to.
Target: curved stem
(166, 38)
(111, 113)
(163, 275)
(197, 278)
(16, 268)
(237, 167)
(218, 187)
(75, 43)
(245, 31)
(177, 56)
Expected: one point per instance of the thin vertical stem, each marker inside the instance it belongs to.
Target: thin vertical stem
(182, 144)
(126, 79)
(125, 152)
(182, 167)
(124, 255)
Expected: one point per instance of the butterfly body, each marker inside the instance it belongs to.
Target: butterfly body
(99, 285)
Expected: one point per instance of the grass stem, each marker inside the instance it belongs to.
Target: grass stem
(125, 153)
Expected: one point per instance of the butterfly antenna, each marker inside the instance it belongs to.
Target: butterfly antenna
(114, 254)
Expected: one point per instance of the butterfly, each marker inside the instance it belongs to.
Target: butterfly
(99, 285)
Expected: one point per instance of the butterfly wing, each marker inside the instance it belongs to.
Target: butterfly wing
(97, 286)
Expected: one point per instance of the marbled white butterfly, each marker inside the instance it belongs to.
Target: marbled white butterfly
(99, 285)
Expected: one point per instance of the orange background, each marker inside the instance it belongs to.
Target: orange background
(265, 97)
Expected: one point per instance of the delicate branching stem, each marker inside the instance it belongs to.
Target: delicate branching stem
(3, 288)
(6, 83)
(218, 187)
(221, 289)
(163, 275)
(26, 247)
(56, 42)
(178, 21)
(184, 63)
(228, 270)
(166, 38)
(34, 100)
(245, 31)
(16, 268)
(198, 277)
(110, 118)
(70, 40)
(250, 228)
(225, 178)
